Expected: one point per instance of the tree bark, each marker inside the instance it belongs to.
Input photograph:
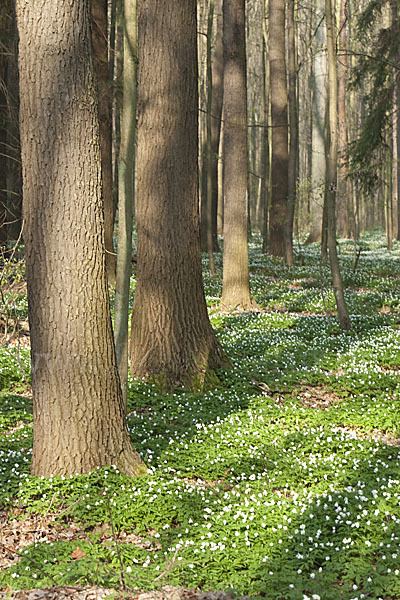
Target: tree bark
(3, 145)
(279, 135)
(265, 155)
(104, 95)
(211, 230)
(10, 151)
(318, 163)
(293, 124)
(235, 285)
(331, 167)
(172, 339)
(342, 195)
(78, 412)
(214, 72)
(217, 68)
(126, 191)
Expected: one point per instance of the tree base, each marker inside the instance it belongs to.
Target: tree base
(239, 305)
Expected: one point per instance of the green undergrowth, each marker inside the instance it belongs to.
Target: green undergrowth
(282, 482)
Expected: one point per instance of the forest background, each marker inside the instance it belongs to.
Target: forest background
(276, 124)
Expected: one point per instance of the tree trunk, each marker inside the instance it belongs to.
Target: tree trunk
(215, 85)
(293, 124)
(396, 154)
(78, 411)
(318, 165)
(126, 191)
(217, 68)
(331, 167)
(172, 339)
(265, 161)
(104, 95)
(10, 152)
(211, 231)
(3, 146)
(235, 286)
(342, 195)
(279, 124)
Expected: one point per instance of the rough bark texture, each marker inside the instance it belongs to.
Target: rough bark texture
(78, 412)
(172, 339)
(235, 287)
(104, 91)
(331, 167)
(318, 129)
(279, 132)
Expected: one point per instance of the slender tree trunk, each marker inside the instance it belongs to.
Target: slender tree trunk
(172, 339)
(10, 155)
(266, 163)
(279, 123)
(293, 124)
(209, 158)
(78, 411)
(104, 95)
(213, 94)
(342, 195)
(235, 286)
(126, 189)
(396, 154)
(220, 207)
(217, 68)
(331, 167)
(388, 202)
(318, 129)
(3, 143)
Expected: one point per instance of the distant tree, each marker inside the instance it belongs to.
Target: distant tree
(214, 72)
(293, 129)
(332, 164)
(78, 409)
(172, 339)
(235, 286)
(279, 132)
(319, 83)
(343, 196)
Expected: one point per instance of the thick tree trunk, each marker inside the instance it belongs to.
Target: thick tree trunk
(172, 339)
(293, 124)
(104, 95)
(78, 411)
(331, 167)
(235, 286)
(279, 123)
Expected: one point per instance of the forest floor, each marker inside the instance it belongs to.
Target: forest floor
(282, 483)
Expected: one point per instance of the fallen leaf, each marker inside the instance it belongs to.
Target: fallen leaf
(77, 553)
